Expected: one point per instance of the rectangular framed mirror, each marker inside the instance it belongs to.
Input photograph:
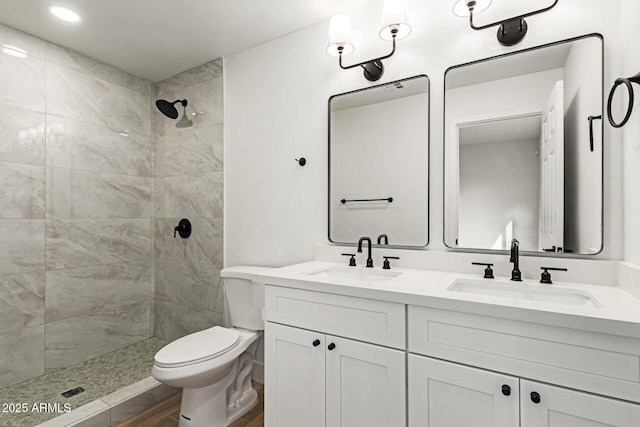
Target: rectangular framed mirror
(379, 164)
(523, 150)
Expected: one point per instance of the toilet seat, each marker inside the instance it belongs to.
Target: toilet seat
(197, 347)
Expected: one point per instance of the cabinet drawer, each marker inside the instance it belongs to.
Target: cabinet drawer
(600, 363)
(373, 321)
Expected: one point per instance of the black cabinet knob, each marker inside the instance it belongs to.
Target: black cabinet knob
(331, 346)
(316, 343)
(506, 390)
(535, 397)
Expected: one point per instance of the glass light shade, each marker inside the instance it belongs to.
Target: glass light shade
(340, 35)
(394, 15)
(460, 7)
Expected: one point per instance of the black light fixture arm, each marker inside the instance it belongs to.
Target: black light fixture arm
(363, 63)
(373, 68)
(471, 4)
(511, 31)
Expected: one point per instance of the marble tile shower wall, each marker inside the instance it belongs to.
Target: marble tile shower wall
(76, 229)
(189, 183)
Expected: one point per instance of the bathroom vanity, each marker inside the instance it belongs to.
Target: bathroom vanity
(355, 346)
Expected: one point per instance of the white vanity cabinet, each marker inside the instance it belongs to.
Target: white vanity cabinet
(333, 360)
(447, 394)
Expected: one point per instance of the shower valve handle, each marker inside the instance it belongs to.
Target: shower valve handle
(183, 228)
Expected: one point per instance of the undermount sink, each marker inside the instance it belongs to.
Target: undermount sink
(360, 274)
(526, 292)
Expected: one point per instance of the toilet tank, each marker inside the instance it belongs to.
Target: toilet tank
(245, 298)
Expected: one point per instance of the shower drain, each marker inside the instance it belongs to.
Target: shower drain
(73, 392)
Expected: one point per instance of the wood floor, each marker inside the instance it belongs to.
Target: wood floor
(167, 413)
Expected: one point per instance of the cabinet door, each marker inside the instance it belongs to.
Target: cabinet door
(443, 394)
(365, 385)
(559, 407)
(294, 377)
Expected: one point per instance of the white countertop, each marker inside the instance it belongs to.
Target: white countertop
(618, 313)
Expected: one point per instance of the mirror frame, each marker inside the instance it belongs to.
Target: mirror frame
(428, 123)
(601, 133)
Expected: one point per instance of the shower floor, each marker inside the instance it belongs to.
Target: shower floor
(98, 377)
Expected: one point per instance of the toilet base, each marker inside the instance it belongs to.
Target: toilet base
(242, 405)
(200, 409)
(206, 406)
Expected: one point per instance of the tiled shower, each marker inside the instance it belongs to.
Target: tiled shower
(92, 182)
(189, 183)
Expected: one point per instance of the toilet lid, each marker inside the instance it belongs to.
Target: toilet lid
(197, 347)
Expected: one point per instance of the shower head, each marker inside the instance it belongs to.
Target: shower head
(168, 108)
(184, 122)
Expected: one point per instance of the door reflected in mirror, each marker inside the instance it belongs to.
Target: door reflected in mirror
(379, 164)
(523, 150)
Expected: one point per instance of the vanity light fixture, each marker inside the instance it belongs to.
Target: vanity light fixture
(64, 14)
(14, 51)
(511, 31)
(394, 27)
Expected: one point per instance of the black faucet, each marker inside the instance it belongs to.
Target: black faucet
(383, 237)
(369, 259)
(516, 276)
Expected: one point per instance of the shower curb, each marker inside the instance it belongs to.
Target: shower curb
(115, 408)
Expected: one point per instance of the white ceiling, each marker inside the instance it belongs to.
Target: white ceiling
(157, 39)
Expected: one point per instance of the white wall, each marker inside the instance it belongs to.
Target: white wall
(581, 100)
(276, 110)
(630, 133)
(377, 157)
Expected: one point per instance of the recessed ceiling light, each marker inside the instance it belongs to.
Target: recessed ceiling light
(14, 51)
(64, 14)
(461, 9)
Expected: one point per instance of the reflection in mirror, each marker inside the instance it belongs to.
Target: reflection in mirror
(379, 164)
(523, 150)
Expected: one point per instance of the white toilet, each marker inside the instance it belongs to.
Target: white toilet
(214, 366)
